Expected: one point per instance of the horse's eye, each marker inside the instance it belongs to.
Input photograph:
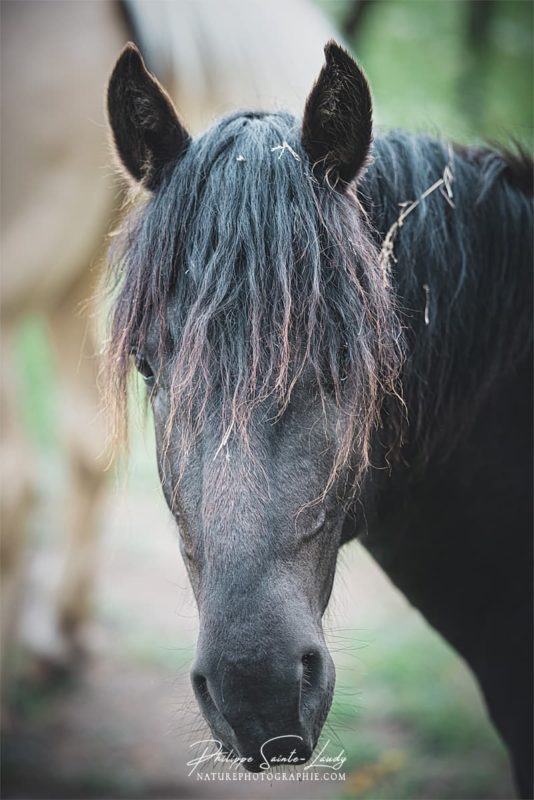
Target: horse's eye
(315, 524)
(143, 367)
(319, 522)
(185, 546)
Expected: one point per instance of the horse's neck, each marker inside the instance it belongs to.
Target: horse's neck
(461, 268)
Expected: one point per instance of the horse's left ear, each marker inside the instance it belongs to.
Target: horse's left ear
(337, 123)
(146, 130)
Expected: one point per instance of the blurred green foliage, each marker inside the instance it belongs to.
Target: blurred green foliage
(36, 376)
(461, 68)
(414, 729)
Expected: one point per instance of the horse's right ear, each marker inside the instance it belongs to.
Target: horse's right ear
(146, 130)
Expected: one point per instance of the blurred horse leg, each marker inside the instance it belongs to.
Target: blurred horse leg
(84, 438)
(58, 200)
(16, 478)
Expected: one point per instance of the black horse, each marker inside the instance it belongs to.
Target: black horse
(336, 339)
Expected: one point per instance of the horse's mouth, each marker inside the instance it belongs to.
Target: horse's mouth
(283, 751)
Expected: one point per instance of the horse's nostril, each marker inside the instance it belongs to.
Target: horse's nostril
(199, 682)
(200, 686)
(205, 699)
(311, 669)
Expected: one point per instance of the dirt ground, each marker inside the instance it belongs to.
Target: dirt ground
(123, 727)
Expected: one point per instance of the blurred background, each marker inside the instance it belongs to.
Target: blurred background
(98, 621)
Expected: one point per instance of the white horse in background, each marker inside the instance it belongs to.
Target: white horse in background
(59, 198)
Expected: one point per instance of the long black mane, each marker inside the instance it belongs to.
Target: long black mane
(256, 275)
(462, 273)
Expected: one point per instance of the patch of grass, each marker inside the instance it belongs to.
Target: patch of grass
(417, 728)
(34, 695)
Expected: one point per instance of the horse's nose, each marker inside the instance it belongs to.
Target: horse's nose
(263, 707)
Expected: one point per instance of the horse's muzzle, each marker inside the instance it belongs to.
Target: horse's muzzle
(267, 709)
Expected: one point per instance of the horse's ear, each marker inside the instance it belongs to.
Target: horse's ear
(337, 123)
(147, 132)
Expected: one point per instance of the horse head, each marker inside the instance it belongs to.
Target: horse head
(252, 301)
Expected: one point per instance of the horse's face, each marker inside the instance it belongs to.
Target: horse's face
(260, 546)
(256, 318)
